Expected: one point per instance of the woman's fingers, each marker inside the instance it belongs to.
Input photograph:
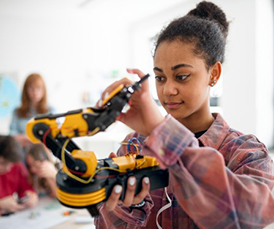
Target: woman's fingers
(112, 155)
(113, 199)
(16, 207)
(143, 193)
(130, 197)
(136, 71)
(124, 81)
(131, 185)
(33, 199)
(140, 74)
(111, 88)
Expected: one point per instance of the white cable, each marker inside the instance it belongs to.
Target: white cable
(163, 209)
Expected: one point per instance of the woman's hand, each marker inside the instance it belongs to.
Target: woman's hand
(9, 204)
(130, 197)
(32, 200)
(46, 170)
(143, 115)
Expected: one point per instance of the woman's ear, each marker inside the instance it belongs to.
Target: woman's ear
(215, 73)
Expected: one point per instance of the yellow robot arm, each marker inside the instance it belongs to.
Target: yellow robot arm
(84, 181)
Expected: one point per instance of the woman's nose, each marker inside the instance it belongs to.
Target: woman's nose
(170, 89)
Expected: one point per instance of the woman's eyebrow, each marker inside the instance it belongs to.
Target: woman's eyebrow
(174, 67)
(157, 69)
(181, 66)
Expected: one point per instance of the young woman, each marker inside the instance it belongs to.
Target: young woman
(218, 177)
(42, 170)
(34, 102)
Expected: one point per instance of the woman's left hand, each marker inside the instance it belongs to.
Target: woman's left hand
(32, 200)
(46, 170)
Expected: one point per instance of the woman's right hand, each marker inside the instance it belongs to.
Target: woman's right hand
(9, 204)
(130, 197)
(143, 115)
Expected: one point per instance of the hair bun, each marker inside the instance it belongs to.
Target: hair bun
(209, 11)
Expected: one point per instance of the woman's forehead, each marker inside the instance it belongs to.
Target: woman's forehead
(36, 83)
(175, 52)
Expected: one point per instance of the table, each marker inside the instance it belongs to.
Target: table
(48, 214)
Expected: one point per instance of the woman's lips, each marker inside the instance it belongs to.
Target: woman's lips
(173, 105)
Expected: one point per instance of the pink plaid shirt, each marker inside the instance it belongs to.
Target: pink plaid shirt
(222, 180)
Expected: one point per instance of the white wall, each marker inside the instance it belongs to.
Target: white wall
(248, 80)
(65, 50)
(76, 50)
(72, 49)
(264, 71)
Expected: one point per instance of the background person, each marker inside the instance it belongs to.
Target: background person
(33, 103)
(42, 168)
(14, 183)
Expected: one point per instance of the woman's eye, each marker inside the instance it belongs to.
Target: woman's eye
(182, 77)
(159, 78)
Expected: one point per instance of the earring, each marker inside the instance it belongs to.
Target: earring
(213, 83)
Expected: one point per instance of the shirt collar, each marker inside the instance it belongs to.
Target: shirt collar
(216, 133)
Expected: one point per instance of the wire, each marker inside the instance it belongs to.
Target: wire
(68, 172)
(136, 145)
(75, 177)
(143, 162)
(128, 148)
(96, 130)
(163, 209)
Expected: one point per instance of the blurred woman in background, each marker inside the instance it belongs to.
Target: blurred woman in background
(42, 166)
(34, 102)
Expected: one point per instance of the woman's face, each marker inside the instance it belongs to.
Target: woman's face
(182, 80)
(33, 164)
(36, 92)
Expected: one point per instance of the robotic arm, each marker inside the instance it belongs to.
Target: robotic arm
(84, 181)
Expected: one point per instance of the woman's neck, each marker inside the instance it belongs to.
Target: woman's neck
(196, 123)
(34, 105)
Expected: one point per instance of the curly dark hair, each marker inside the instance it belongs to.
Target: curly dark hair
(10, 149)
(205, 26)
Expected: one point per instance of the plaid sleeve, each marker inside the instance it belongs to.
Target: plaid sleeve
(168, 141)
(123, 217)
(216, 191)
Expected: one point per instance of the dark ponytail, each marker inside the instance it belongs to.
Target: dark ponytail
(205, 26)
